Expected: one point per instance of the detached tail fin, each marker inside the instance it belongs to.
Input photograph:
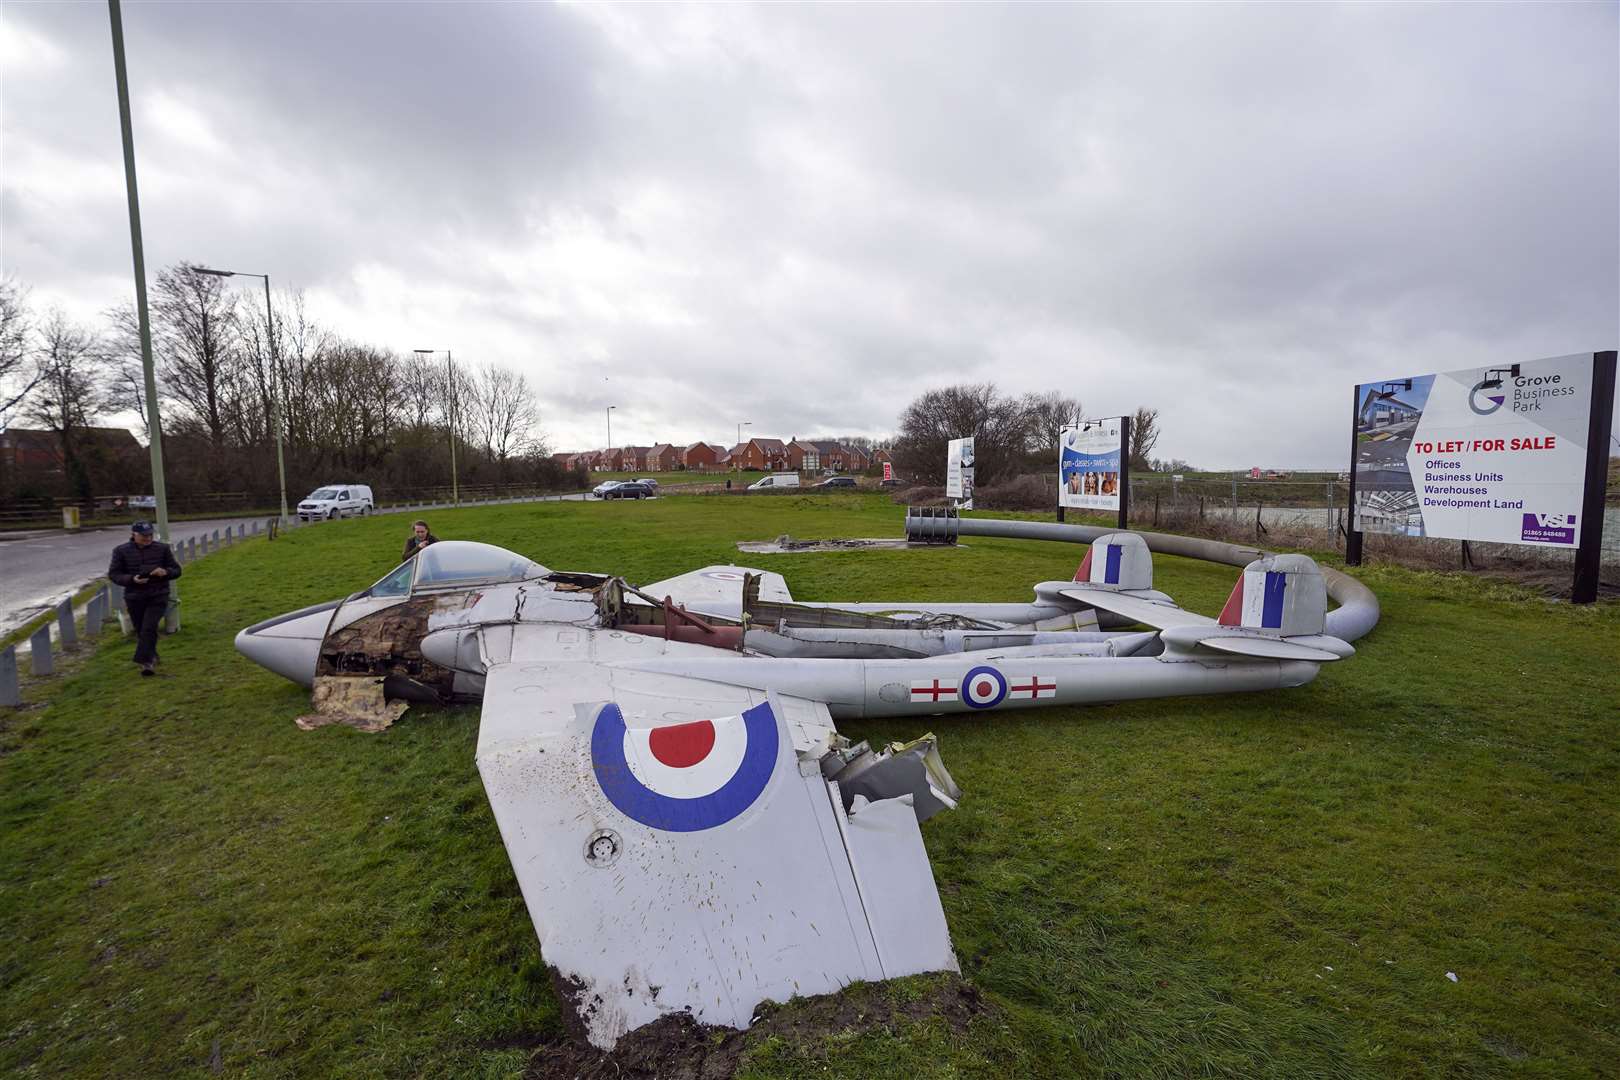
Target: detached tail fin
(1283, 594)
(1121, 560)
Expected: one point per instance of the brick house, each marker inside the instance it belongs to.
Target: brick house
(635, 458)
(856, 459)
(663, 458)
(610, 460)
(803, 455)
(701, 456)
(831, 455)
(770, 454)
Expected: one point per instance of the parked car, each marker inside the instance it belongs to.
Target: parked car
(775, 480)
(601, 490)
(837, 482)
(629, 489)
(335, 501)
(649, 481)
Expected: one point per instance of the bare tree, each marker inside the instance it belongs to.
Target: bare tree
(501, 412)
(419, 379)
(195, 331)
(1010, 435)
(69, 377)
(16, 381)
(1144, 436)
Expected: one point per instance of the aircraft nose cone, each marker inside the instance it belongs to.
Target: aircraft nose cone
(289, 644)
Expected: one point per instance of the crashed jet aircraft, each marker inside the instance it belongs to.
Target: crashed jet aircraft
(689, 830)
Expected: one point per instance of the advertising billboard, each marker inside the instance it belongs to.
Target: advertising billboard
(1089, 465)
(1486, 453)
(959, 472)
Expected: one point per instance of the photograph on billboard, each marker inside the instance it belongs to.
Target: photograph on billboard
(1485, 453)
(1088, 465)
(959, 472)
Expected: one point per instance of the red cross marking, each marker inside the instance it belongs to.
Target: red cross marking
(1034, 687)
(936, 691)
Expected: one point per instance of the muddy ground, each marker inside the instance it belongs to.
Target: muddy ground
(677, 1047)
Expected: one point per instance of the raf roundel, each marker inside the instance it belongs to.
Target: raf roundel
(983, 687)
(684, 777)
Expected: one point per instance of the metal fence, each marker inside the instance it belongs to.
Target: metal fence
(1317, 506)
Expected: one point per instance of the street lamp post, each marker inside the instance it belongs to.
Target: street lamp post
(154, 421)
(275, 374)
(450, 373)
(610, 409)
(740, 425)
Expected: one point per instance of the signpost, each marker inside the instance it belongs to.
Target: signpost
(959, 472)
(1511, 455)
(1094, 467)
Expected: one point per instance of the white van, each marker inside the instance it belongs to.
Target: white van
(776, 480)
(335, 501)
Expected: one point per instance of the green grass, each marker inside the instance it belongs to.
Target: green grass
(1256, 885)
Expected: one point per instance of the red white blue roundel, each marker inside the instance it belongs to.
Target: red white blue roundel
(983, 687)
(684, 777)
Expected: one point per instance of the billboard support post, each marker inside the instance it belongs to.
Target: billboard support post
(1352, 535)
(1125, 472)
(1589, 553)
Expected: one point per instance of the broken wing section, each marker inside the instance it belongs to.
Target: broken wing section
(717, 590)
(680, 848)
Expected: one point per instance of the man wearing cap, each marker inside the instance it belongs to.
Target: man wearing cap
(144, 567)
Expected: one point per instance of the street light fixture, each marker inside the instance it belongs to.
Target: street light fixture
(450, 373)
(275, 371)
(740, 425)
(610, 409)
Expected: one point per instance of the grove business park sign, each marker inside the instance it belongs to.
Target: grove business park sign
(1513, 454)
(1494, 454)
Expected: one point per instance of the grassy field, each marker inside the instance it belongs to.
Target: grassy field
(1261, 885)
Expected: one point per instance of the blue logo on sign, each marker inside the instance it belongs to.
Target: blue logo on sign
(638, 802)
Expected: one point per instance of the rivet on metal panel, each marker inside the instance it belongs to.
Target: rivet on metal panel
(603, 847)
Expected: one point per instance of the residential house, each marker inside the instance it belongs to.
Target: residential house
(803, 455)
(702, 456)
(759, 454)
(663, 458)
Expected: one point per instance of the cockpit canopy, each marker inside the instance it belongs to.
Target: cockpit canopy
(457, 564)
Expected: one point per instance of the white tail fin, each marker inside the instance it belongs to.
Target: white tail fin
(1282, 594)
(1120, 560)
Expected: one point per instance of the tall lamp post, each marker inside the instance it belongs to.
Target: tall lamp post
(450, 373)
(740, 425)
(154, 421)
(275, 373)
(610, 409)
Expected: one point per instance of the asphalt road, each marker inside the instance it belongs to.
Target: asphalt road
(38, 572)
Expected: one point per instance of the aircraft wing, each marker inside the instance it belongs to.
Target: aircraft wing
(680, 845)
(717, 590)
(1146, 612)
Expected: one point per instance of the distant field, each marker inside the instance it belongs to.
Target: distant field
(1259, 885)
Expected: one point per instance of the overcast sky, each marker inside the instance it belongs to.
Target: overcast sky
(804, 216)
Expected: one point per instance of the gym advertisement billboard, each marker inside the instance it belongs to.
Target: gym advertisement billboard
(1089, 465)
(1493, 454)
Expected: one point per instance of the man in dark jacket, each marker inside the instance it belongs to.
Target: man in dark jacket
(144, 567)
(420, 538)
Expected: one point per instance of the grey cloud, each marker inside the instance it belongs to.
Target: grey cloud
(804, 215)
